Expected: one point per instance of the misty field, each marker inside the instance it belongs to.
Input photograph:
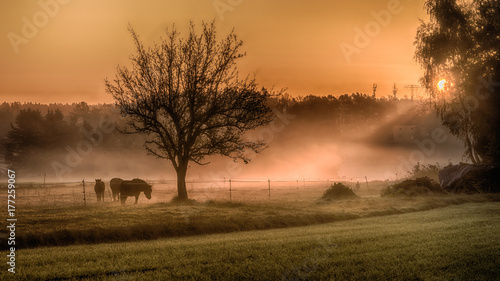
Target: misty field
(68, 222)
(459, 242)
(58, 194)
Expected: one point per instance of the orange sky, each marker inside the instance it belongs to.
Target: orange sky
(62, 50)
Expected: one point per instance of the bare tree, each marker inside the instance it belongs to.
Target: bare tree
(186, 97)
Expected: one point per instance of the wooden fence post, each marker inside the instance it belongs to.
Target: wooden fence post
(269, 183)
(84, 199)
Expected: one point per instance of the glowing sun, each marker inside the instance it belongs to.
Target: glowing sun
(441, 84)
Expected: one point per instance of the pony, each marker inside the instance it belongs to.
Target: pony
(99, 190)
(134, 188)
(115, 188)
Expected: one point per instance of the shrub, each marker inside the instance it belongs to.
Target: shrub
(413, 187)
(338, 191)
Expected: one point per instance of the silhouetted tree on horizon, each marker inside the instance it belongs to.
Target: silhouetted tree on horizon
(186, 97)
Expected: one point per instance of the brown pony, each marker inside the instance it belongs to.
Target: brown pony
(134, 188)
(115, 188)
(99, 190)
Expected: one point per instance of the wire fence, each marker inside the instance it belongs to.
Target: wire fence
(235, 190)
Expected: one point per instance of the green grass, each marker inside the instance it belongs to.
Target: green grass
(459, 242)
(69, 225)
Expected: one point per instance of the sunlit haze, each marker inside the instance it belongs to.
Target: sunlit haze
(58, 52)
(441, 84)
(53, 51)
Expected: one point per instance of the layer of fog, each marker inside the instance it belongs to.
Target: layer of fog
(300, 149)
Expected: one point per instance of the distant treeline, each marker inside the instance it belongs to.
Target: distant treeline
(33, 135)
(29, 132)
(339, 115)
(358, 106)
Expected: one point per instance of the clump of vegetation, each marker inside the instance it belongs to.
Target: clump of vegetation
(338, 191)
(176, 200)
(431, 171)
(413, 187)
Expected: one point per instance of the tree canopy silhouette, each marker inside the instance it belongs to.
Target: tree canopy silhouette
(186, 97)
(33, 136)
(460, 46)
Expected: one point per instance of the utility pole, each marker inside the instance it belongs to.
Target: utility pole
(374, 89)
(394, 91)
(412, 88)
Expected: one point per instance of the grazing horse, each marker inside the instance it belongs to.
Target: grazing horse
(134, 188)
(99, 190)
(115, 188)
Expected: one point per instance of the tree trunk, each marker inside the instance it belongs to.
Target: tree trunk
(181, 181)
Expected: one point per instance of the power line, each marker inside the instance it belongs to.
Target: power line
(412, 88)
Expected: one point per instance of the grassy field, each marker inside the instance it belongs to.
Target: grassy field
(110, 222)
(459, 242)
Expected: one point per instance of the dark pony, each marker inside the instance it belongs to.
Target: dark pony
(115, 188)
(134, 188)
(99, 190)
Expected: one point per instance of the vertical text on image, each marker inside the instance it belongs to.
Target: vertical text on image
(11, 220)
